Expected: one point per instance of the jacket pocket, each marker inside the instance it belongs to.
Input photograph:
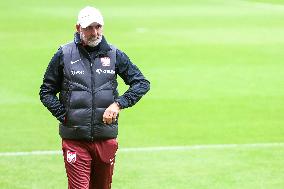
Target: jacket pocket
(68, 103)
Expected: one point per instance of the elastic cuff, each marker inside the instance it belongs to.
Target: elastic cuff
(61, 118)
(122, 102)
(118, 105)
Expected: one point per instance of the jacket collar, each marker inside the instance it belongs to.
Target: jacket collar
(103, 46)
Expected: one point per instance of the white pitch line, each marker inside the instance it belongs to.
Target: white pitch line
(200, 147)
(158, 148)
(49, 152)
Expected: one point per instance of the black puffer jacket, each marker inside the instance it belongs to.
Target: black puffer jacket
(81, 116)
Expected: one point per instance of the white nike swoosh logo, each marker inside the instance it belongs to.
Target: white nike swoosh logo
(73, 62)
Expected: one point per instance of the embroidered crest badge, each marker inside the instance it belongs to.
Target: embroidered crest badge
(71, 156)
(105, 61)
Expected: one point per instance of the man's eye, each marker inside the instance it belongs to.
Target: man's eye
(92, 27)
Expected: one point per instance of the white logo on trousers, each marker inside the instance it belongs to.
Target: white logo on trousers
(71, 156)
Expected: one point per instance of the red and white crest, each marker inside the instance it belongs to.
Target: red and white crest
(105, 61)
(71, 156)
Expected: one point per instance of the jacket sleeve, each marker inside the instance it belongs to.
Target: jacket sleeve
(132, 76)
(52, 85)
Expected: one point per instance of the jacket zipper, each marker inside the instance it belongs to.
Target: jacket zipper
(93, 98)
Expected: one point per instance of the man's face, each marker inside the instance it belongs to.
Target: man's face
(91, 35)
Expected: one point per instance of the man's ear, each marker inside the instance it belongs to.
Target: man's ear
(78, 28)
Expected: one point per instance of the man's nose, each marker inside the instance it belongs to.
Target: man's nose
(94, 31)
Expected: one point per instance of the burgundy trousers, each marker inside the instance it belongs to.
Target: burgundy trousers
(89, 165)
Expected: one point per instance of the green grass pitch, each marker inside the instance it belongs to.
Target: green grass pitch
(217, 75)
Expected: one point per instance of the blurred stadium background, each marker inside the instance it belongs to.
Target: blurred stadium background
(216, 71)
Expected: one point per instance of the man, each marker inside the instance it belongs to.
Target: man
(84, 74)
